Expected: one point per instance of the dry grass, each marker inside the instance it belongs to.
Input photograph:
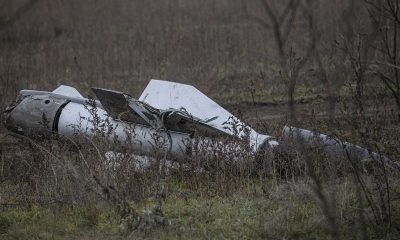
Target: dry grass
(63, 188)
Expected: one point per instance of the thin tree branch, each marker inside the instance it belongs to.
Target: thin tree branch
(386, 64)
(270, 13)
(291, 20)
(17, 14)
(286, 11)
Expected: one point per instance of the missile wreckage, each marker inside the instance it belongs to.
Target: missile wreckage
(174, 111)
(179, 114)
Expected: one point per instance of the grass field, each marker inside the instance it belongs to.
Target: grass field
(327, 66)
(284, 211)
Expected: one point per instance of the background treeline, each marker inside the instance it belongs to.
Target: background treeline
(220, 46)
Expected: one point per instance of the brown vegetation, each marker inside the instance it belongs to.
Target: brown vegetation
(333, 63)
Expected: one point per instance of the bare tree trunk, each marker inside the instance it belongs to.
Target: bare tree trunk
(292, 105)
(385, 16)
(281, 25)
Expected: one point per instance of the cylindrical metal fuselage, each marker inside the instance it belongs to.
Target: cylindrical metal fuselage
(76, 118)
(43, 113)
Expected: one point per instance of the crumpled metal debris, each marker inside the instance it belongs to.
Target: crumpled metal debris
(174, 112)
(165, 110)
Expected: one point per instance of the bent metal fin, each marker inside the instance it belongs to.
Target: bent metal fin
(123, 107)
(172, 95)
(68, 91)
(118, 106)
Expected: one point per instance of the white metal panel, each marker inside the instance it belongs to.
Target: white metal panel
(336, 148)
(164, 95)
(67, 91)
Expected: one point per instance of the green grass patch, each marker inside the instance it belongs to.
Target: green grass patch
(57, 223)
(283, 211)
(303, 94)
(270, 96)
